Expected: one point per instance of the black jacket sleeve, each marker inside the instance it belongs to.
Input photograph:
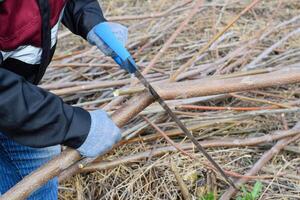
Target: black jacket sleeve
(80, 16)
(34, 117)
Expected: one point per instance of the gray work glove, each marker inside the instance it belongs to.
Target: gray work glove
(102, 136)
(120, 31)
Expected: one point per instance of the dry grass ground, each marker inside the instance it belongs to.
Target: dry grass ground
(265, 38)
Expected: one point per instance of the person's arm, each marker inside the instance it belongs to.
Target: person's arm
(34, 117)
(80, 16)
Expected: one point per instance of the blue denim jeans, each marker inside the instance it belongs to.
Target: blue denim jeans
(17, 161)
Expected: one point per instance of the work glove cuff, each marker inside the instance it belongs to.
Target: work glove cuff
(102, 136)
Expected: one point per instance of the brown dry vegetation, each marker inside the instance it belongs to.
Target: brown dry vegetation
(264, 39)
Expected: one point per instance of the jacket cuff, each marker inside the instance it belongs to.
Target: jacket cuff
(78, 129)
(1, 58)
(91, 23)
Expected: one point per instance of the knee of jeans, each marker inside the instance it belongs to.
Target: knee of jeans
(49, 151)
(54, 150)
(39, 156)
(36, 157)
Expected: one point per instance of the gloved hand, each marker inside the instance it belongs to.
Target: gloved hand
(102, 136)
(120, 32)
(109, 37)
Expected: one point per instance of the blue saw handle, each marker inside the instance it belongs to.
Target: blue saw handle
(120, 54)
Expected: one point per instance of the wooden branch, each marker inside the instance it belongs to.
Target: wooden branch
(84, 87)
(194, 107)
(136, 104)
(169, 140)
(183, 188)
(207, 87)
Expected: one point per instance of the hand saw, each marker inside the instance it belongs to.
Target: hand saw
(123, 58)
